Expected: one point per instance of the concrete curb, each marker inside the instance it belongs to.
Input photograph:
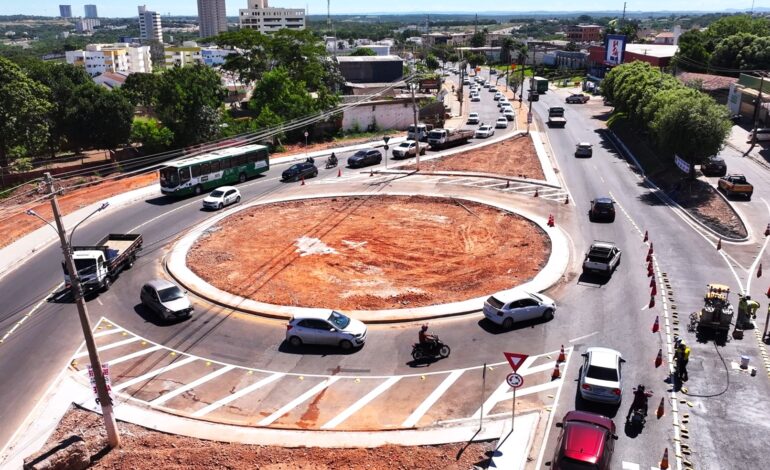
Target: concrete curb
(660, 194)
(177, 267)
(466, 174)
(320, 153)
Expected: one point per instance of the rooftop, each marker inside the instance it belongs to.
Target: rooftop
(372, 58)
(708, 82)
(652, 50)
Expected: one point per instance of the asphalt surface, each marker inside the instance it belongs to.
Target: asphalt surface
(591, 312)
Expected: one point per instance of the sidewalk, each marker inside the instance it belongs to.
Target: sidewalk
(738, 139)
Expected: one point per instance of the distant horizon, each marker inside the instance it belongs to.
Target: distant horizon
(50, 8)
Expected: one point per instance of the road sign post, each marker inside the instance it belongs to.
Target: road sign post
(385, 147)
(515, 381)
(483, 391)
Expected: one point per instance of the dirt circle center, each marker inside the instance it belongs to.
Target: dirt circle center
(369, 252)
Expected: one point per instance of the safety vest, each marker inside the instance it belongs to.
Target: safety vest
(686, 355)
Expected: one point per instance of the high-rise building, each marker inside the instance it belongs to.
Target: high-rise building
(265, 19)
(87, 25)
(150, 28)
(90, 11)
(211, 17)
(65, 11)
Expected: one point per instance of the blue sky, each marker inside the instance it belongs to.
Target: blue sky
(113, 8)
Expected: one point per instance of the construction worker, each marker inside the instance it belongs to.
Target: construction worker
(747, 310)
(682, 357)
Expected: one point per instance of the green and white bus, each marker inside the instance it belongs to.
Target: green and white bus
(201, 173)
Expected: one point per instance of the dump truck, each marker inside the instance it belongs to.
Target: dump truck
(556, 117)
(98, 265)
(733, 185)
(442, 138)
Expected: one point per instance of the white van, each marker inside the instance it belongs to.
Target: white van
(763, 134)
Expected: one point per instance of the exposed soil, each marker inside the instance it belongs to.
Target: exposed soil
(514, 157)
(299, 148)
(142, 448)
(369, 253)
(14, 223)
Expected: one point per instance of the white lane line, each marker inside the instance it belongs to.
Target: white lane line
(549, 424)
(420, 411)
(128, 357)
(524, 371)
(573, 340)
(297, 401)
(100, 301)
(240, 393)
(108, 332)
(178, 391)
(109, 346)
(153, 373)
(352, 409)
(630, 465)
(29, 314)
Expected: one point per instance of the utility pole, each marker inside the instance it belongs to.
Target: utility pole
(416, 130)
(622, 18)
(757, 107)
(77, 291)
(531, 87)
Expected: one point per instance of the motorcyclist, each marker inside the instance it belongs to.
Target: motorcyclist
(425, 338)
(310, 160)
(640, 401)
(332, 161)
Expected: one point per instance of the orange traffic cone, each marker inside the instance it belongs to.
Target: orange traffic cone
(303, 181)
(649, 257)
(767, 230)
(507, 184)
(656, 325)
(661, 411)
(768, 292)
(556, 372)
(659, 358)
(339, 172)
(654, 289)
(646, 236)
(719, 244)
(759, 270)
(650, 248)
(371, 172)
(652, 283)
(562, 357)
(566, 199)
(650, 271)
(664, 461)
(537, 192)
(652, 302)
(551, 222)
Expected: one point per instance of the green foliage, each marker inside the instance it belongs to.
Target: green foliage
(142, 88)
(24, 107)
(364, 51)
(692, 51)
(151, 135)
(98, 118)
(188, 103)
(22, 164)
(475, 59)
(479, 38)
(736, 24)
(277, 99)
(431, 62)
(742, 51)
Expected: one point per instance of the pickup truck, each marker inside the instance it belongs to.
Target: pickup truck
(98, 265)
(736, 184)
(406, 149)
(602, 258)
(441, 138)
(556, 117)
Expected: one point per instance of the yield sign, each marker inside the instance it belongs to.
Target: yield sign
(515, 359)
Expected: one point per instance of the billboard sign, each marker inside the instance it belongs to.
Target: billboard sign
(615, 47)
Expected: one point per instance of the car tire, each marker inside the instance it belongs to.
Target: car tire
(130, 263)
(612, 219)
(315, 173)
(346, 345)
(106, 284)
(508, 323)
(237, 199)
(220, 206)
(242, 178)
(295, 341)
(548, 314)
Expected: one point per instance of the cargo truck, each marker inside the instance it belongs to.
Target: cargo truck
(98, 265)
(441, 138)
(540, 84)
(556, 117)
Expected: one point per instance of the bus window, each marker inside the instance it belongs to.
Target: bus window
(241, 160)
(226, 163)
(184, 175)
(196, 170)
(253, 157)
(215, 166)
(205, 168)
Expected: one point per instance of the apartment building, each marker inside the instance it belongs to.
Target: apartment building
(86, 25)
(150, 28)
(266, 19)
(212, 17)
(65, 11)
(90, 11)
(189, 53)
(584, 33)
(125, 58)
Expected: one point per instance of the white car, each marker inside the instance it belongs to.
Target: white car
(407, 149)
(509, 306)
(506, 107)
(509, 114)
(473, 118)
(475, 97)
(484, 131)
(600, 377)
(503, 101)
(324, 327)
(492, 88)
(501, 123)
(498, 96)
(221, 197)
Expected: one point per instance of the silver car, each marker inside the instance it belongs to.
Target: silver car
(166, 300)
(509, 306)
(325, 327)
(600, 377)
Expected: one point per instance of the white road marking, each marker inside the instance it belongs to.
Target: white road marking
(178, 391)
(240, 393)
(100, 301)
(297, 401)
(420, 411)
(549, 423)
(362, 402)
(109, 346)
(630, 466)
(154, 373)
(128, 357)
(111, 331)
(28, 314)
(573, 340)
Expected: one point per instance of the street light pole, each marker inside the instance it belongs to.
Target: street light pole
(101, 385)
(416, 130)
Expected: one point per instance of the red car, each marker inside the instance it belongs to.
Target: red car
(586, 441)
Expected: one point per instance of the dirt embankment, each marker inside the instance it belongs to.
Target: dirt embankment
(142, 448)
(369, 253)
(513, 157)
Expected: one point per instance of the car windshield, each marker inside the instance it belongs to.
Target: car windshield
(567, 463)
(170, 293)
(169, 177)
(602, 373)
(405, 145)
(536, 297)
(217, 193)
(294, 168)
(339, 320)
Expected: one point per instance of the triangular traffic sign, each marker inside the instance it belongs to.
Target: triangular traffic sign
(515, 359)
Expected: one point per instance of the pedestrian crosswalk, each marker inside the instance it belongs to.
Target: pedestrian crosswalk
(170, 380)
(519, 187)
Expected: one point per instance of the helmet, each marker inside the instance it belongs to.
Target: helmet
(424, 327)
(748, 297)
(640, 388)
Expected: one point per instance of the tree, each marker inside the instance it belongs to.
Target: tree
(431, 62)
(475, 59)
(364, 51)
(24, 106)
(692, 53)
(151, 135)
(252, 59)
(278, 96)
(572, 47)
(742, 51)
(507, 47)
(736, 24)
(185, 96)
(142, 88)
(479, 38)
(98, 118)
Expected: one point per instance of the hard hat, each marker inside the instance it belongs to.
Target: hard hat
(748, 297)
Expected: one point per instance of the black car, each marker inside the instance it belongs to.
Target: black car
(714, 166)
(578, 98)
(365, 158)
(299, 170)
(602, 208)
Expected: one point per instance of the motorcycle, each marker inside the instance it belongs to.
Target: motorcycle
(639, 414)
(331, 163)
(430, 350)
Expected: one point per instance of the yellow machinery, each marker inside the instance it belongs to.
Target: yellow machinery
(717, 312)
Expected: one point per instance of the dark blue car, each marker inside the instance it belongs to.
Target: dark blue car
(365, 158)
(299, 170)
